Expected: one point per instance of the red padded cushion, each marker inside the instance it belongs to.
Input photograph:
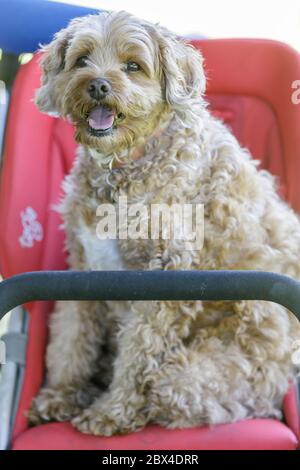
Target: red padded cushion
(263, 71)
(243, 114)
(39, 151)
(245, 435)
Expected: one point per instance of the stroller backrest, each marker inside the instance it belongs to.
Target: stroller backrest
(249, 87)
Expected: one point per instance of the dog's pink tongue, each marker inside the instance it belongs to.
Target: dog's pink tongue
(101, 118)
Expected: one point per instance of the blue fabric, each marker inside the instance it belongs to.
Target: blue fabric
(26, 23)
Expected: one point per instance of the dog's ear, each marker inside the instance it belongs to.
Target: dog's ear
(51, 63)
(181, 67)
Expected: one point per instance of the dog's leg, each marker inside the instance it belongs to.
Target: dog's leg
(149, 330)
(77, 331)
(120, 409)
(235, 371)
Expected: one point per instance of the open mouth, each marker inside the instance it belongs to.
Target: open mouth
(101, 121)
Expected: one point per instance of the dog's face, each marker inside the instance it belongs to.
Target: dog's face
(115, 75)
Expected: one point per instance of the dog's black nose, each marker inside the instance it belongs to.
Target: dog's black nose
(99, 88)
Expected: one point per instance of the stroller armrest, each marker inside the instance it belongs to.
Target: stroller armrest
(149, 285)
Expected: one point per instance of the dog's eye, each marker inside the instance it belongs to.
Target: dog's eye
(81, 61)
(132, 67)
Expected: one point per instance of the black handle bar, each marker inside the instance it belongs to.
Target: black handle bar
(149, 285)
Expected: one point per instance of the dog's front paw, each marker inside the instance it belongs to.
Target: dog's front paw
(99, 421)
(54, 404)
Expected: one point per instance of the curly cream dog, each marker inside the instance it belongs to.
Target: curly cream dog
(134, 93)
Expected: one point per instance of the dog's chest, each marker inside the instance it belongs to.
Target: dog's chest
(100, 254)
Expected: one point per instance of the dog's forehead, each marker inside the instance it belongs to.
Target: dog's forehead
(116, 34)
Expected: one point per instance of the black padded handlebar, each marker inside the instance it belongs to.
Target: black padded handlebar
(149, 285)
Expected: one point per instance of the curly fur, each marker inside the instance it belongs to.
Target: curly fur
(179, 364)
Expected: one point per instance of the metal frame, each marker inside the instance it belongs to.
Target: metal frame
(12, 372)
(4, 101)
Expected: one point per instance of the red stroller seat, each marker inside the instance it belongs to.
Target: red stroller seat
(249, 87)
